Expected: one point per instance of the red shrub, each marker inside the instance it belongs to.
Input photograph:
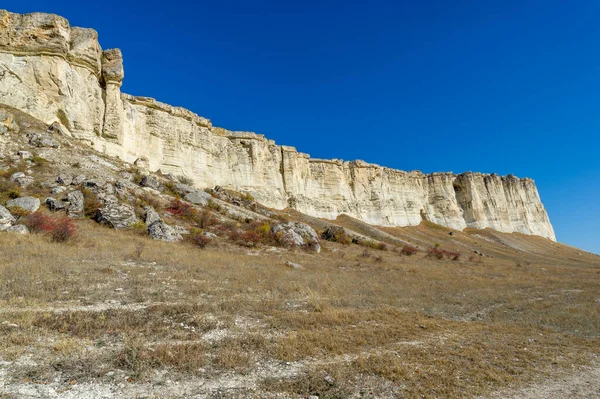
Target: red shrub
(60, 230)
(199, 239)
(63, 230)
(39, 223)
(408, 250)
(440, 253)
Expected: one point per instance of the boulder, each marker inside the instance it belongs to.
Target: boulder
(79, 179)
(116, 215)
(76, 201)
(159, 230)
(150, 181)
(54, 204)
(151, 216)
(298, 234)
(30, 204)
(336, 234)
(64, 179)
(18, 229)
(198, 197)
(6, 218)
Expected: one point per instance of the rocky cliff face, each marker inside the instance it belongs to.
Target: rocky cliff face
(59, 73)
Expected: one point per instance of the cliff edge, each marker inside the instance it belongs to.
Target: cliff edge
(59, 74)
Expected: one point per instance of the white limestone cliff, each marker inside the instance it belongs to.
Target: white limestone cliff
(59, 73)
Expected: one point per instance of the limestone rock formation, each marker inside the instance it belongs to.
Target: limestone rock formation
(60, 75)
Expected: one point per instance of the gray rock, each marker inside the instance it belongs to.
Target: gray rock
(6, 218)
(77, 180)
(30, 204)
(42, 140)
(183, 189)
(57, 127)
(123, 184)
(17, 175)
(150, 181)
(210, 235)
(159, 230)
(198, 197)
(76, 201)
(117, 215)
(1, 155)
(298, 234)
(25, 155)
(18, 229)
(54, 204)
(64, 179)
(25, 181)
(58, 190)
(151, 216)
(8, 123)
(293, 265)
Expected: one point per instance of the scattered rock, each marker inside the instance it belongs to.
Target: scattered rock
(8, 123)
(116, 215)
(18, 229)
(151, 216)
(25, 155)
(210, 235)
(142, 163)
(64, 179)
(334, 233)
(17, 175)
(183, 189)
(451, 234)
(58, 190)
(57, 127)
(150, 181)
(159, 230)
(298, 234)
(30, 204)
(293, 265)
(6, 218)
(54, 204)
(42, 140)
(76, 202)
(198, 198)
(77, 180)
(329, 379)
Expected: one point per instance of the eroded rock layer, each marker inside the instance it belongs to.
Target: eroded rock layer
(59, 73)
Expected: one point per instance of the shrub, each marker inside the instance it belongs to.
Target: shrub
(37, 222)
(197, 237)
(336, 234)
(408, 250)
(19, 212)
(63, 229)
(185, 180)
(247, 238)
(182, 209)
(91, 203)
(206, 219)
(60, 230)
(247, 197)
(440, 253)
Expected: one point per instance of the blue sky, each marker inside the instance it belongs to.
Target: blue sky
(490, 86)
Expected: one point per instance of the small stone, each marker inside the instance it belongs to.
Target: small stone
(54, 204)
(151, 216)
(293, 265)
(25, 155)
(210, 235)
(58, 190)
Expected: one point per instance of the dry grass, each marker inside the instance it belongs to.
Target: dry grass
(382, 322)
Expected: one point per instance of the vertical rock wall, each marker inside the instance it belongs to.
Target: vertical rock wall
(60, 74)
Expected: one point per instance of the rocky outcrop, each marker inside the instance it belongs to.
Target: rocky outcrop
(59, 74)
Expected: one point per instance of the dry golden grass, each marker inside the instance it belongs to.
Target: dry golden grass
(376, 321)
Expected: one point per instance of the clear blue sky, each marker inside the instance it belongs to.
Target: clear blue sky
(491, 86)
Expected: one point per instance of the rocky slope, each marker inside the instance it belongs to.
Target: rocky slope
(60, 75)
